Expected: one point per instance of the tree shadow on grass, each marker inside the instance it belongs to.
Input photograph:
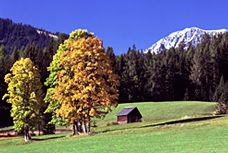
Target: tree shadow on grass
(49, 138)
(184, 121)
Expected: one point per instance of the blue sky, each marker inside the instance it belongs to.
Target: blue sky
(119, 23)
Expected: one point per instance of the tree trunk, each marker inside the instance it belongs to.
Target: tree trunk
(84, 127)
(79, 126)
(74, 129)
(27, 136)
(88, 126)
(39, 129)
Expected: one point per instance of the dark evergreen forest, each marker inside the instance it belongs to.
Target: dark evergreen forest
(174, 74)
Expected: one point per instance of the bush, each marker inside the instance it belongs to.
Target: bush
(222, 108)
(112, 123)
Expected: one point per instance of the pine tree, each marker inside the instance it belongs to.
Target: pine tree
(3, 67)
(201, 76)
(189, 91)
(222, 55)
(132, 75)
(148, 72)
(112, 57)
(120, 64)
(219, 90)
(14, 56)
(4, 107)
(157, 79)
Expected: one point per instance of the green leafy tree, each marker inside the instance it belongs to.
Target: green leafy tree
(221, 96)
(25, 94)
(222, 107)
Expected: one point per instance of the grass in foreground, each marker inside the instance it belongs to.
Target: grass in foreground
(205, 136)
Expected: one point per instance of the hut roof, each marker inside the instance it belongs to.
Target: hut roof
(126, 111)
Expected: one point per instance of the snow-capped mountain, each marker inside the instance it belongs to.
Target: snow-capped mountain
(187, 36)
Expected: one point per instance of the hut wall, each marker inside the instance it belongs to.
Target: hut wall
(122, 119)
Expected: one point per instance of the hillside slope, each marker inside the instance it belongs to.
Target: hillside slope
(156, 112)
(17, 35)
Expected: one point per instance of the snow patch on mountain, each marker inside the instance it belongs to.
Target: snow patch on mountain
(187, 36)
(46, 33)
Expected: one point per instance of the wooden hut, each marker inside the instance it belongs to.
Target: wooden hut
(129, 115)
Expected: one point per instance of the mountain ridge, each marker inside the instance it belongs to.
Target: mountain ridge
(188, 36)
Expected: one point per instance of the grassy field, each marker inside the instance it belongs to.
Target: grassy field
(157, 112)
(209, 136)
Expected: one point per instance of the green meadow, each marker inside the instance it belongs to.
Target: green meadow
(205, 136)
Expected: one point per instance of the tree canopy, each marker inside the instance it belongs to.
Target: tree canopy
(82, 80)
(24, 92)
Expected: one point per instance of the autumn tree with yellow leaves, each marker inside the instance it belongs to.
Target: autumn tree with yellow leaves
(86, 85)
(24, 92)
(51, 81)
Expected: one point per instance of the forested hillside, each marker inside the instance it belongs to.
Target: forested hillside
(19, 36)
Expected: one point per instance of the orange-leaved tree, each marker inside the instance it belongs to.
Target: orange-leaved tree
(51, 81)
(86, 84)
